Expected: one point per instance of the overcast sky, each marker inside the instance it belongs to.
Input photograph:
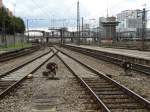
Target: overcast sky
(60, 9)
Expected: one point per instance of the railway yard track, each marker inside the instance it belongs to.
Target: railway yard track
(109, 95)
(135, 66)
(69, 96)
(79, 88)
(15, 64)
(18, 53)
(12, 78)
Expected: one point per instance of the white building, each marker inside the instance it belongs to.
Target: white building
(129, 20)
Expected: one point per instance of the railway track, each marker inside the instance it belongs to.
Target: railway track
(109, 95)
(67, 93)
(23, 64)
(13, 78)
(135, 66)
(18, 53)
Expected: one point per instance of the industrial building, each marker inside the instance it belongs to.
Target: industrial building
(1, 4)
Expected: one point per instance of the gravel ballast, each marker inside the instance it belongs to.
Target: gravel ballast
(138, 82)
(42, 95)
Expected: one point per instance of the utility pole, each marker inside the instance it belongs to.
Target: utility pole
(28, 29)
(14, 28)
(82, 30)
(78, 23)
(99, 35)
(61, 35)
(144, 24)
(4, 27)
(82, 25)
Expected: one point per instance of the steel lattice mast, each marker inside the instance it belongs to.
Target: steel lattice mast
(78, 22)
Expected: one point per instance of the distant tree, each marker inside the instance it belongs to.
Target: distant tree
(12, 23)
(19, 24)
(3, 16)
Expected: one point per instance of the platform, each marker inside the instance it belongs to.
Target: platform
(130, 53)
(141, 57)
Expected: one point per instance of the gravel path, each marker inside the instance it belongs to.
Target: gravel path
(139, 82)
(4, 67)
(42, 95)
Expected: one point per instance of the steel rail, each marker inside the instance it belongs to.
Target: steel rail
(14, 51)
(6, 91)
(129, 92)
(22, 65)
(136, 67)
(18, 53)
(96, 98)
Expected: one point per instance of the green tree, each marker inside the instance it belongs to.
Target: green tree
(3, 17)
(12, 23)
(19, 25)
